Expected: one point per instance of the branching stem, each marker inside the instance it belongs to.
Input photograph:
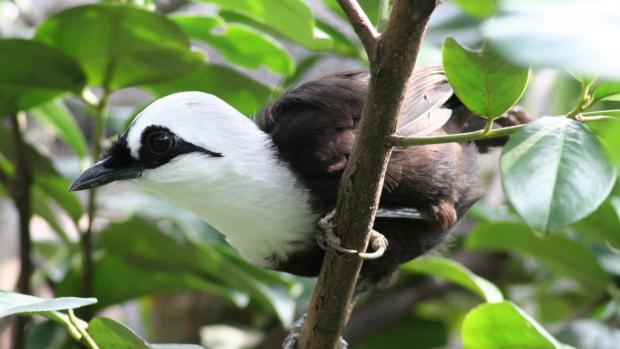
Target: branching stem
(361, 24)
(398, 141)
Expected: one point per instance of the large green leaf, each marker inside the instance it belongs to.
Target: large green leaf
(119, 46)
(238, 43)
(559, 43)
(32, 73)
(562, 255)
(133, 280)
(242, 92)
(16, 303)
(197, 267)
(478, 8)
(455, 272)
(502, 326)
(58, 116)
(111, 334)
(555, 172)
(484, 81)
(292, 19)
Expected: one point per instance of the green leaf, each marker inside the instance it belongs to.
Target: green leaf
(342, 45)
(109, 333)
(238, 43)
(41, 207)
(56, 114)
(120, 46)
(478, 8)
(242, 92)
(603, 224)
(56, 188)
(371, 8)
(562, 255)
(607, 90)
(15, 303)
(504, 325)
(138, 255)
(456, 273)
(559, 43)
(555, 172)
(175, 346)
(484, 81)
(611, 139)
(292, 19)
(32, 73)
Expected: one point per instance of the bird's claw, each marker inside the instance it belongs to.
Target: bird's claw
(379, 245)
(326, 239)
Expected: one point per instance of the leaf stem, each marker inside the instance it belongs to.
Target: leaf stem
(87, 235)
(585, 99)
(398, 141)
(86, 338)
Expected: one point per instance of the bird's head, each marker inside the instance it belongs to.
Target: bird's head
(177, 139)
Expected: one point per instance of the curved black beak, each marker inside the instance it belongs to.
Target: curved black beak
(103, 173)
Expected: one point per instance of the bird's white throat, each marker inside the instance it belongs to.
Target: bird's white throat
(248, 194)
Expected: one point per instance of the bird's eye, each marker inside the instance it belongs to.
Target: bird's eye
(160, 142)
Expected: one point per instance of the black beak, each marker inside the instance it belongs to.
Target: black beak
(102, 173)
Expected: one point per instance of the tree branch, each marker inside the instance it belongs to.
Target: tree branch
(20, 190)
(391, 65)
(361, 24)
(399, 141)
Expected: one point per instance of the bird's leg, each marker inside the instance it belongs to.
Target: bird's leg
(327, 239)
(290, 342)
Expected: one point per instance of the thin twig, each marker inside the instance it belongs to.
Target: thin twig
(362, 180)
(87, 235)
(399, 141)
(361, 24)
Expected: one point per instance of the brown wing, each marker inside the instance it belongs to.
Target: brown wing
(314, 125)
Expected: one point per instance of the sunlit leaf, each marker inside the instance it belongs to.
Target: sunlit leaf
(454, 272)
(56, 114)
(238, 43)
(504, 325)
(109, 333)
(292, 19)
(607, 90)
(478, 8)
(242, 92)
(119, 46)
(555, 172)
(16, 303)
(562, 255)
(484, 81)
(32, 73)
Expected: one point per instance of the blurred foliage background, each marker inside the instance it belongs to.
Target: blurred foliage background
(74, 73)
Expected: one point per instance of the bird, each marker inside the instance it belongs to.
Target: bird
(266, 183)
